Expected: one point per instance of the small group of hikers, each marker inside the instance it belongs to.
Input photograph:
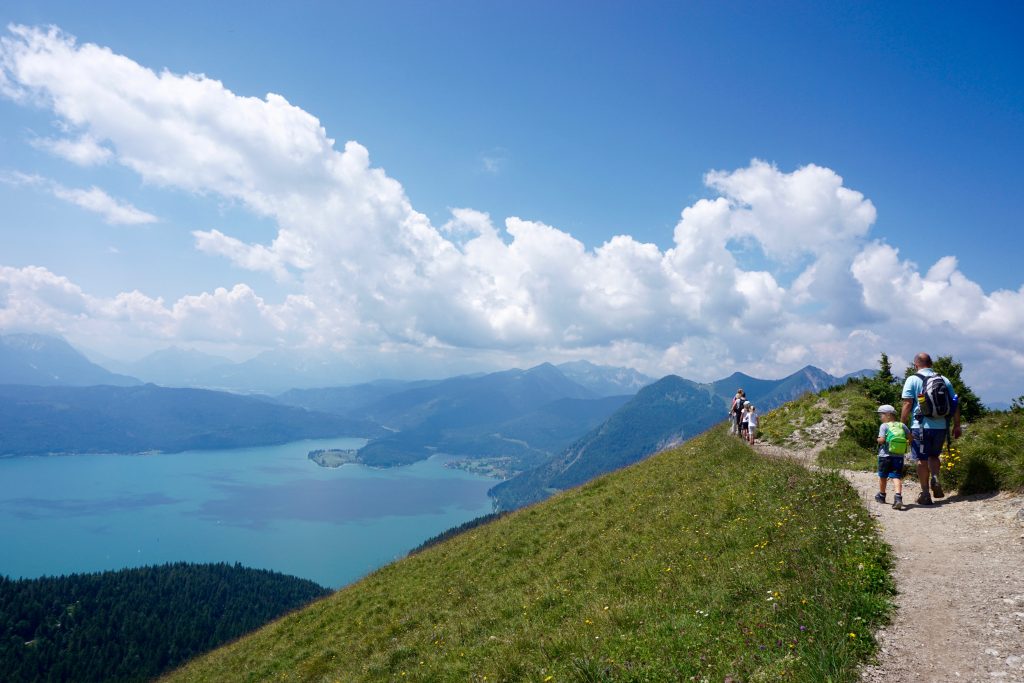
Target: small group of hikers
(929, 407)
(743, 416)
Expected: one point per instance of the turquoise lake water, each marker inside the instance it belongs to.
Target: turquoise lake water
(268, 507)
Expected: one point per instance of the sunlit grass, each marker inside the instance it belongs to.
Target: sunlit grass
(706, 561)
(990, 456)
(779, 425)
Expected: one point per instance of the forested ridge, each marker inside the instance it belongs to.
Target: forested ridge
(133, 624)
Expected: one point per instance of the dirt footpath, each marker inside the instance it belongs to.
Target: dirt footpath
(959, 576)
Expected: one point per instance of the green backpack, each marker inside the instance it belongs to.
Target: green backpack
(896, 438)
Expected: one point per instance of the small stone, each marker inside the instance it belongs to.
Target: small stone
(991, 651)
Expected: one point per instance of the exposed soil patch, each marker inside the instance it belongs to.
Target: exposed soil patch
(959, 575)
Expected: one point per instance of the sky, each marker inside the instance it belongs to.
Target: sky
(419, 189)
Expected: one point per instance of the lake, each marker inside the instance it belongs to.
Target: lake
(268, 507)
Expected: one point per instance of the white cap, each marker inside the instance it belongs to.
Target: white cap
(886, 409)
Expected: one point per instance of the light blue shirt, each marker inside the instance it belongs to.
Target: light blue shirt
(914, 386)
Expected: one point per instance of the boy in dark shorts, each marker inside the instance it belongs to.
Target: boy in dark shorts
(893, 443)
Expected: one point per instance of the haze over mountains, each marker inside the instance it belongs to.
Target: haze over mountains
(49, 361)
(547, 428)
(526, 415)
(36, 420)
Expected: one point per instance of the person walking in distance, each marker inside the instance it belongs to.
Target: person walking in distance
(738, 404)
(929, 403)
(752, 421)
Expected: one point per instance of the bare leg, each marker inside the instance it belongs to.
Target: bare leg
(922, 476)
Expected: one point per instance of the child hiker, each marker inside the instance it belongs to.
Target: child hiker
(893, 444)
(752, 423)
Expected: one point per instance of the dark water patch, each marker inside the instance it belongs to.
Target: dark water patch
(340, 501)
(42, 508)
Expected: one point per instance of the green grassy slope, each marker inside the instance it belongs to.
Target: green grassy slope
(704, 561)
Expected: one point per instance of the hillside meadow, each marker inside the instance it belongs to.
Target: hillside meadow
(705, 562)
(989, 457)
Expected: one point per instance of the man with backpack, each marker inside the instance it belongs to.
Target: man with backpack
(929, 399)
(739, 402)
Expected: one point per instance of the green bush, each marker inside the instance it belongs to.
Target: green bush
(990, 457)
(857, 447)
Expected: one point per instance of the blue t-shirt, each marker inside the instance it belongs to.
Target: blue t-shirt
(914, 386)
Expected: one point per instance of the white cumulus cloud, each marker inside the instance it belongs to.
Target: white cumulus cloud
(374, 273)
(96, 200)
(84, 150)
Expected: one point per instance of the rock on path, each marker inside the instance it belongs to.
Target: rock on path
(959, 577)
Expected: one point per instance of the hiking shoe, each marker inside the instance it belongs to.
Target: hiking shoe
(924, 499)
(897, 504)
(937, 491)
(879, 497)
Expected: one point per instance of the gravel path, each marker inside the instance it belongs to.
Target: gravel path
(959, 575)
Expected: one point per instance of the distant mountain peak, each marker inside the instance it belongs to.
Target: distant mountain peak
(32, 340)
(603, 379)
(46, 360)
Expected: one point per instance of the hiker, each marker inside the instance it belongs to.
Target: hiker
(893, 444)
(752, 423)
(929, 399)
(745, 421)
(738, 403)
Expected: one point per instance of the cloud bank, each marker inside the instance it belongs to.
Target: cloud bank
(369, 272)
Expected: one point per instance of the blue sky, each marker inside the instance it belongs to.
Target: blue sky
(584, 120)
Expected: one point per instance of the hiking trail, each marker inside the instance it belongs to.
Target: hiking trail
(959, 572)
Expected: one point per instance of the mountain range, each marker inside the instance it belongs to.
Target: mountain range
(662, 414)
(550, 427)
(525, 415)
(37, 420)
(50, 361)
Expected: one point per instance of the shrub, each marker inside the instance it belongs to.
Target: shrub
(857, 447)
(990, 457)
